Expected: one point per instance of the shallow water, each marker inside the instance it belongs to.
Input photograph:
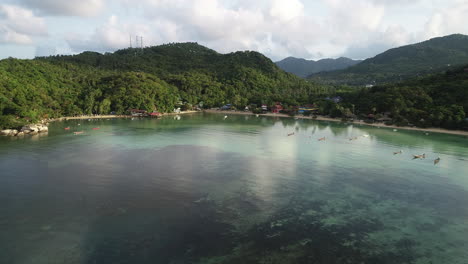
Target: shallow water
(205, 189)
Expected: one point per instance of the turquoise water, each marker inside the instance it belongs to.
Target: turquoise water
(204, 189)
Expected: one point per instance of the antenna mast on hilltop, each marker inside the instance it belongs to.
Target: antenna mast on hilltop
(130, 41)
(141, 42)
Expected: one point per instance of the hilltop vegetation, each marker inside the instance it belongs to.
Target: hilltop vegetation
(304, 68)
(440, 100)
(32, 90)
(432, 56)
(152, 78)
(187, 74)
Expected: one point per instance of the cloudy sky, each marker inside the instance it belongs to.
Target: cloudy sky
(309, 29)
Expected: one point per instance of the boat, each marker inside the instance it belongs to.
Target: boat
(96, 128)
(67, 128)
(422, 156)
(436, 160)
(78, 132)
(322, 139)
(398, 152)
(291, 134)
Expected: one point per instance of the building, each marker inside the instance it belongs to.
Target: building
(226, 107)
(335, 99)
(155, 114)
(138, 112)
(276, 108)
(306, 108)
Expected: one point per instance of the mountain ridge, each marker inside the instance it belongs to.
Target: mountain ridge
(396, 64)
(303, 68)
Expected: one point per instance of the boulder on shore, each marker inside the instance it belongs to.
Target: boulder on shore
(5, 132)
(33, 128)
(25, 130)
(42, 128)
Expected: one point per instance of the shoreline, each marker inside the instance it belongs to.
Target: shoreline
(321, 118)
(45, 122)
(65, 118)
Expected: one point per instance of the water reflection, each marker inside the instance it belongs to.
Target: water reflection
(205, 189)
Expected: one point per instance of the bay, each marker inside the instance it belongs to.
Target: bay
(210, 189)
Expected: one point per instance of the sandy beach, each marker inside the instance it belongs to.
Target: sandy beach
(88, 117)
(321, 118)
(111, 116)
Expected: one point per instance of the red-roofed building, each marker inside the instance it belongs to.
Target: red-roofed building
(277, 108)
(155, 114)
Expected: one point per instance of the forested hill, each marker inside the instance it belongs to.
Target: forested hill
(432, 56)
(304, 68)
(174, 58)
(151, 78)
(440, 100)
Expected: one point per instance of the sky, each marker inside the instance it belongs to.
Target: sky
(310, 29)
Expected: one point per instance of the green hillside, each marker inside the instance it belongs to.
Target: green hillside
(440, 100)
(173, 58)
(304, 68)
(432, 56)
(156, 77)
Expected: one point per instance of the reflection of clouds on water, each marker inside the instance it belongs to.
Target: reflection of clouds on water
(158, 189)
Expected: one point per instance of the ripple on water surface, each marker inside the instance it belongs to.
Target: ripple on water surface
(205, 189)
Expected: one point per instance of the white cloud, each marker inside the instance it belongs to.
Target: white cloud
(19, 25)
(287, 10)
(453, 19)
(110, 36)
(277, 28)
(352, 19)
(84, 8)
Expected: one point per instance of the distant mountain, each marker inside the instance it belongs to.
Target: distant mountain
(304, 68)
(431, 56)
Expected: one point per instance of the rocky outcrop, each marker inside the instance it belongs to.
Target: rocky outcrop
(5, 132)
(25, 130)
